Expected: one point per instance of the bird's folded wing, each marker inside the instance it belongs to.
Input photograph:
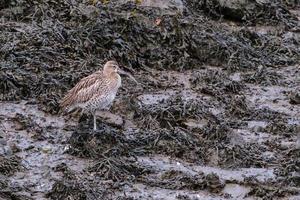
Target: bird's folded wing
(84, 90)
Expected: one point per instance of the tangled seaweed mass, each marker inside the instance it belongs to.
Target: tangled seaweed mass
(217, 107)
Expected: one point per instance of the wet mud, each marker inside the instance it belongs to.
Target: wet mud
(216, 114)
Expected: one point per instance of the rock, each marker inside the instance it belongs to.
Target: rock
(8, 151)
(295, 98)
(111, 118)
(2, 142)
(46, 149)
(15, 148)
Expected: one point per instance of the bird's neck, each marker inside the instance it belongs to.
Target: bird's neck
(114, 79)
(111, 75)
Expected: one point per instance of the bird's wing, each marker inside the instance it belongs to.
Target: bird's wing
(84, 90)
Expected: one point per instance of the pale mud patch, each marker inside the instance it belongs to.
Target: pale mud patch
(110, 118)
(38, 157)
(161, 164)
(155, 98)
(158, 3)
(273, 97)
(141, 191)
(236, 191)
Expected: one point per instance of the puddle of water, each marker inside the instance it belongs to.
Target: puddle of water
(236, 191)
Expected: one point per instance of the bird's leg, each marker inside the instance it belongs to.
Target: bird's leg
(95, 121)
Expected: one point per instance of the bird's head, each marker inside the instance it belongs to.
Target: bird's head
(112, 67)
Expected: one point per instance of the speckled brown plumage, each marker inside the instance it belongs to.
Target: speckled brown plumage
(94, 92)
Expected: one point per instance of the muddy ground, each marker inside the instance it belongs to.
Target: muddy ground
(216, 114)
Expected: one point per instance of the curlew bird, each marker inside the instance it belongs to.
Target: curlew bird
(95, 92)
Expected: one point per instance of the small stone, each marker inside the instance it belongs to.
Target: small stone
(46, 149)
(111, 118)
(8, 151)
(3, 142)
(19, 126)
(295, 98)
(66, 148)
(14, 147)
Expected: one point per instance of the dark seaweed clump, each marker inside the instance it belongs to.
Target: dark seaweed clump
(247, 155)
(178, 180)
(107, 142)
(280, 126)
(110, 147)
(118, 169)
(171, 113)
(266, 192)
(216, 83)
(75, 189)
(262, 76)
(11, 195)
(249, 12)
(289, 167)
(64, 190)
(9, 165)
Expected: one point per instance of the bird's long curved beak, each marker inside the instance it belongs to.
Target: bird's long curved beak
(127, 74)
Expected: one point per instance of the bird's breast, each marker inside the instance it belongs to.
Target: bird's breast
(114, 85)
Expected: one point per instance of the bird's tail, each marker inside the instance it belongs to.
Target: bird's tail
(64, 107)
(73, 111)
(65, 104)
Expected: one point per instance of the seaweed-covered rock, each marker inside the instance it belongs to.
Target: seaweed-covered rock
(68, 41)
(106, 141)
(9, 165)
(67, 189)
(295, 98)
(117, 169)
(247, 11)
